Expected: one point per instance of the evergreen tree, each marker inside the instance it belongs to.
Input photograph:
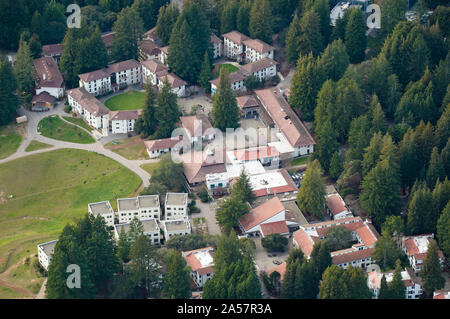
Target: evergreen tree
(242, 189)
(339, 29)
(393, 225)
(230, 210)
(359, 136)
(148, 11)
(431, 271)
(123, 246)
(384, 289)
(331, 286)
(260, 21)
(443, 127)
(311, 196)
(167, 111)
(176, 281)
(334, 60)
(355, 36)
(372, 153)
(321, 258)
(9, 102)
(336, 166)
(293, 261)
(436, 170)
(397, 287)
(69, 57)
(306, 84)
(443, 230)
(327, 145)
(228, 18)
(147, 123)
(440, 197)
(322, 8)
(205, 73)
(188, 42)
(24, 69)
(355, 284)
(377, 117)
(225, 111)
(243, 17)
(392, 13)
(35, 46)
(128, 30)
(419, 212)
(386, 252)
(167, 18)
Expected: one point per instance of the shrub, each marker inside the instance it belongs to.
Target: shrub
(204, 196)
(274, 242)
(67, 108)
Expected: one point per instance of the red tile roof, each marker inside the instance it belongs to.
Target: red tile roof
(285, 118)
(261, 213)
(274, 190)
(88, 101)
(215, 39)
(123, 115)
(258, 65)
(197, 165)
(122, 66)
(236, 36)
(356, 255)
(236, 76)
(258, 45)
(194, 263)
(335, 204)
(154, 66)
(304, 241)
(149, 47)
(246, 101)
(279, 227)
(194, 123)
(52, 49)
(161, 144)
(258, 153)
(43, 98)
(366, 236)
(47, 73)
(94, 75)
(174, 80)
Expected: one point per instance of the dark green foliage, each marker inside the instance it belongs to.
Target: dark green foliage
(334, 60)
(272, 283)
(336, 166)
(229, 211)
(274, 242)
(9, 102)
(177, 279)
(420, 219)
(228, 18)
(392, 12)
(252, 82)
(436, 170)
(225, 110)
(386, 252)
(355, 36)
(384, 289)
(243, 17)
(148, 11)
(204, 196)
(128, 32)
(397, 287)
(205, 73)
(311, 196)
(441, 16)
(393, 225)
(338, 237)
(167, 112)
(327, 145)
(242, 189)
(443, 230)
(168, 174)
(260, 21)
(431, 271)
(338, 283)
(167, 18)
(147, 123)
(191, 241)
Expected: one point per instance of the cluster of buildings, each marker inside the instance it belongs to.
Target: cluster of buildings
(257, 55)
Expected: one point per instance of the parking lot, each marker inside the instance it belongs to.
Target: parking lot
(263, 261)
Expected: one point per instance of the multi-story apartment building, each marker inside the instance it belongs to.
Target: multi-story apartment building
(413, 289)
(141, 207)
(256, 50)
(416, 248)
(150, 228)
(48, 78)
(201, 262)
(217, 46)
(176, 206)
(103, 209)
(175, 227)
(96, 82)
(45, 253)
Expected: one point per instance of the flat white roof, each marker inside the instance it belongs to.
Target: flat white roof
(205, 258)
(422, 244)
(267, 180)
(100, 208)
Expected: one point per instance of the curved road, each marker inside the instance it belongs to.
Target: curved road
(97, 147)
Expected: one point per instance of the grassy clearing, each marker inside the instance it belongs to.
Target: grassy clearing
(132, 100)
(49, 190)
(55, 128)
(7, 293)
(229, 67)
(35, 145)
(299, 161)
(10, 139)
(79, 122)
(149, 167)
(131, 148)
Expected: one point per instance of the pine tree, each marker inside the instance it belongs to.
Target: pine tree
(167, 112)
(386, 252)
(359, 136)
(435, 171)
(339, 29)
(327, 145)
(176, 281)
(377, 117)
(419, 212)
(334, 60)
(384, 289)
(355, 284)
(9, 102)
(243, 17)
(205, 73)
(440, 197)
(128, 30)
(355, 36)
(431, 271)
(167, 18)
(242, 189)
(321, 258)
(123, 246)
(331, 284)
(68, 59)
(392, 13)
(443, 127)
(306, 84)
(147, 123)
(311, 196)
(228, 18)
(372, 153)
(397, 287)
(443, 230)
(322, 8)
(35, 46)
(225, 111)
(230, 210)
(148, 10)
(260, 21)
(24, 69)
(336, 166)
(292, 39)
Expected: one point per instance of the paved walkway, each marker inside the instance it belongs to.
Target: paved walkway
(97, 147)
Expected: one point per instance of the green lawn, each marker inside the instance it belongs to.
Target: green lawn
(132, 100)
(149, 167)
(229, 67)
(54, 127)
(131, 148)
(35, 145)
(299, 161)
(10, 140)
(79, 122)
(49, 190)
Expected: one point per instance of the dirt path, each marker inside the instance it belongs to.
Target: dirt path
(5, 283)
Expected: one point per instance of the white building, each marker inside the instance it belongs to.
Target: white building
(176, 206)
(177, 85)
(201, 262)
(48, 78)
(45, 253)
(122, 122)
(149, 207)
(263, 69)
(175, 227)
(150, 227)
(152, 69)
(103, 209)
(125, 73)
(156, 148)
(163, 54)
(416, 248)
(96, 82)
(233, 44)
(336, 207)
(413, 290)
(236, 81)
(217, 46)
(141, 207)
(256, 50)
